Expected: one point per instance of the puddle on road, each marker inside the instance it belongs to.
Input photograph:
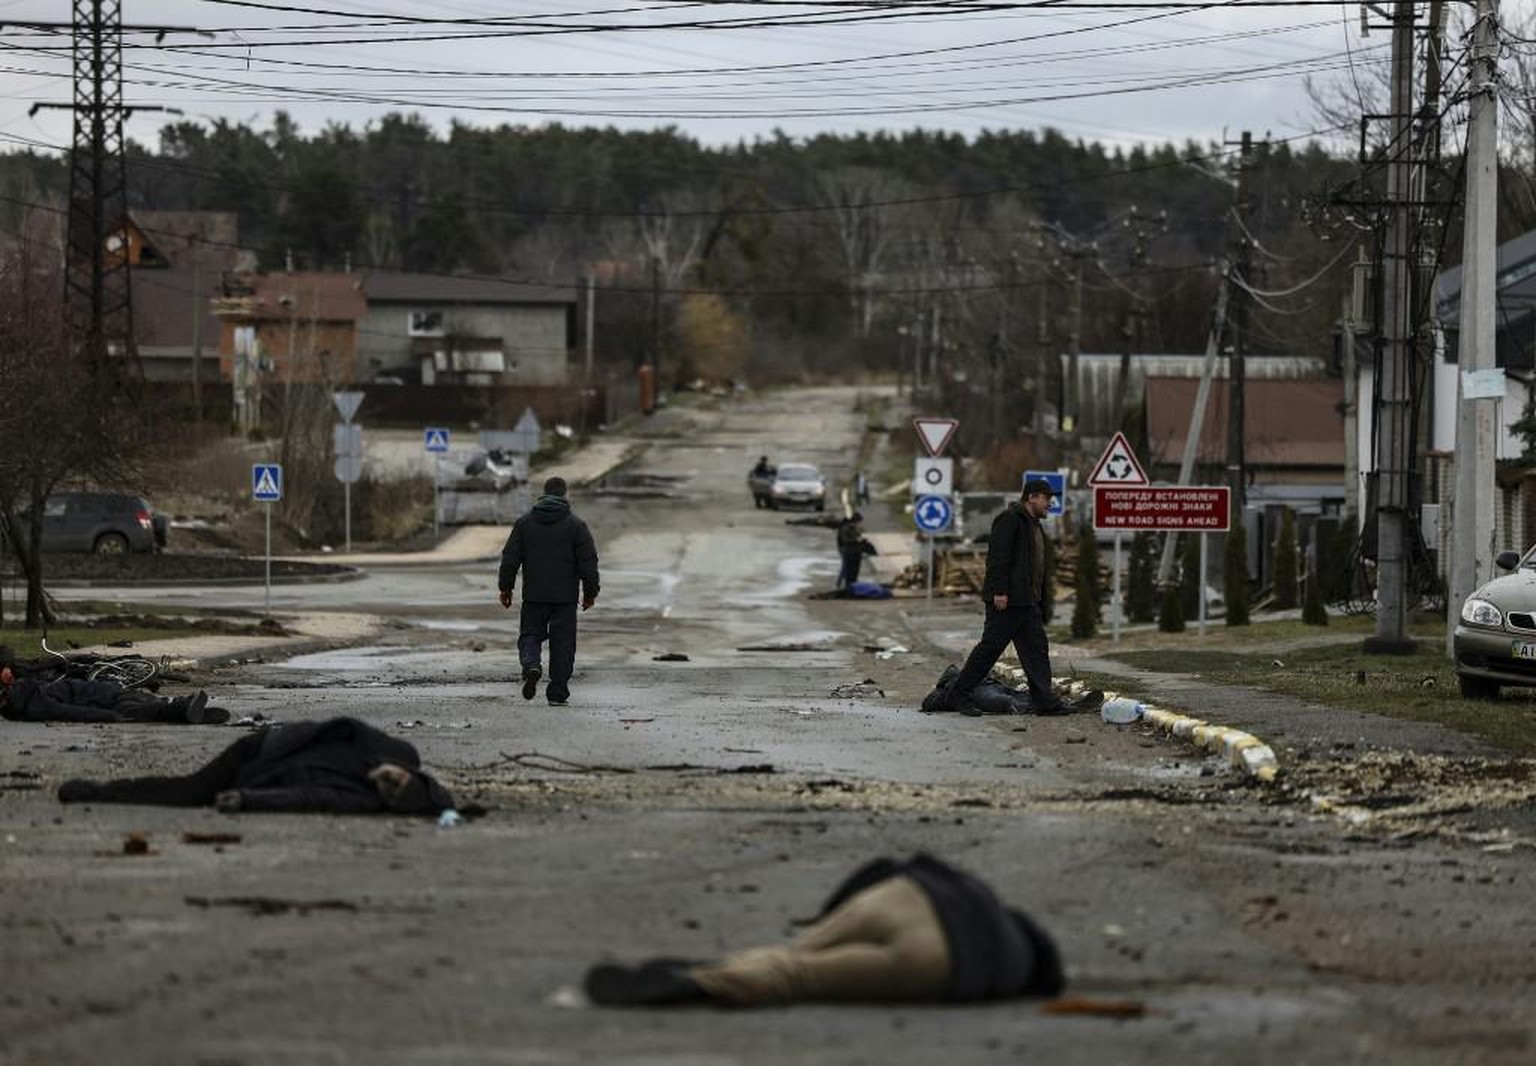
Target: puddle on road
(372, 659)
(794, 575)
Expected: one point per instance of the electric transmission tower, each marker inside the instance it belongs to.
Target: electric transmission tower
(97, 282)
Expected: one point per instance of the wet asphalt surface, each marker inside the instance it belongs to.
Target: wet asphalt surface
(685, 808)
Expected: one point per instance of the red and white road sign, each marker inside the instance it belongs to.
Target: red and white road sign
(1118, 465)
(1162, 508)
(935, 433)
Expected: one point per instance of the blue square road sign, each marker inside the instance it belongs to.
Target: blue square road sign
(266, 482)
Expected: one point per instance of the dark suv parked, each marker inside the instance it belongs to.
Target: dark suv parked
(108, 523)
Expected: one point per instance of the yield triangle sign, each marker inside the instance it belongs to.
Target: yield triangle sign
(1118, 465)
(935, 433)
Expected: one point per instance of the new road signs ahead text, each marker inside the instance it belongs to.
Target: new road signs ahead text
(1162, 508)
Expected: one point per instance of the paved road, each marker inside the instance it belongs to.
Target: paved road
(685, 808)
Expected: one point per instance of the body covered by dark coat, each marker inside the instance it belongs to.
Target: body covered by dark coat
(555, 552)
(995, 952)
(299, 766)
(1015, 558)
(70, 699)
(990, 695)
(306, 765)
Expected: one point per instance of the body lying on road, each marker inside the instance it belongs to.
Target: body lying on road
(339, 765)
(894, 931)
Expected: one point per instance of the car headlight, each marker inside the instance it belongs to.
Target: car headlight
(1481, 613)
(779, 490)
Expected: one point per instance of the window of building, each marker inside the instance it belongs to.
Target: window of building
(426, 324)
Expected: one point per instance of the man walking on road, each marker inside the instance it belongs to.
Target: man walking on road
(1014, 594)
(558, 557)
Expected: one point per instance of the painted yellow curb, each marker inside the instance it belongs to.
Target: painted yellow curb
(1243, 750)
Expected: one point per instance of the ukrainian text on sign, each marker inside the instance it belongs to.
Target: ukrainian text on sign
(1163, 508)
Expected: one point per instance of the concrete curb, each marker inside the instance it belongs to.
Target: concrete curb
(333, 578)
(1242, 750)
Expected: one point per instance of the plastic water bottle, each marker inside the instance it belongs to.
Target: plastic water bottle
(1122, 711)
(448, 819)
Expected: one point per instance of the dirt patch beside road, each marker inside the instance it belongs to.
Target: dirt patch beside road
(173, 566)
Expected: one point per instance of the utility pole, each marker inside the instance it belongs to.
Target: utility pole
(1394, 428)
(591, 328)
(1074, 348)
(1236, 368)
(1472, 516)
(97, 285)
(1042, 362)
(197, 341)
(656, 320)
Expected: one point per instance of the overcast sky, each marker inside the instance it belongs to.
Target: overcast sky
(1122, 75)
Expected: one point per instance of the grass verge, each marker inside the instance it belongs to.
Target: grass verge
(28, 643)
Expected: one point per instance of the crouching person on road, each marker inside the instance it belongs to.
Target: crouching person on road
(893, 932)
(340, 765)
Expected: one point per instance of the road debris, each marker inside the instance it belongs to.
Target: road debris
(268, 905)
(858, 690)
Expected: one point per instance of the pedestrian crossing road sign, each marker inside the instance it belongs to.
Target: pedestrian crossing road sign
(266, 482)
(437, 439)
(933, 514)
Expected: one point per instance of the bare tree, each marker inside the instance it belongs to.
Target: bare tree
(62, 416)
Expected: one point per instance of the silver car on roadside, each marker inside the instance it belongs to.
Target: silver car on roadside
(798, 485)
(1495, 638)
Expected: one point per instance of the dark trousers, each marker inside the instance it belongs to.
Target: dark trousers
(1025, 628)
(852, 560)
(556, 623)
(196, 789)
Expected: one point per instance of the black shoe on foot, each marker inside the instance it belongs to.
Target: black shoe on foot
(557, 701)
(78, 791)
(1053, 710)
(531, 675)
(654, 983)
(197, 707)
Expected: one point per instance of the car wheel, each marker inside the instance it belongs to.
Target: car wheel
(1475, 688)
(111, 544)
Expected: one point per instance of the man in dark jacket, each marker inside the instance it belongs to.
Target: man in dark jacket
(919, 930)
(340, 765)
(558, 557)
(851, 549)
(1014, 596)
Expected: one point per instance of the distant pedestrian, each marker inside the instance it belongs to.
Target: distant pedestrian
(1014, 595)
(860, 489)
(851, 549)
(555, 551)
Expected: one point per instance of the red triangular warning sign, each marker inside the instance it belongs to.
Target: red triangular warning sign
(935, 433)
(1118, 465)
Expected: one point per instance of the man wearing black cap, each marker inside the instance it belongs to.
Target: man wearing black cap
(558, 557)
(1014, 594)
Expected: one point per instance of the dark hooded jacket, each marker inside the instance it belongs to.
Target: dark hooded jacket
(323, 766)
(556, 553)
(1015, 558)
(69, 699)
(995, 952)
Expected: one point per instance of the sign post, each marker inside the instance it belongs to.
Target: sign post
(933, 514)
(267, 488)
(1117, 466)
(435, 439)
(349, 451)
(933, 483)
(1165, 509)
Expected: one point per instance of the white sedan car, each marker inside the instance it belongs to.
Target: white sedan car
(798, 485)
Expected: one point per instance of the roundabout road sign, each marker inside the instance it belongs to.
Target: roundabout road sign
(933, 514)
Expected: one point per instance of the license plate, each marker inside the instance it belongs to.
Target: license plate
(1523, 649)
